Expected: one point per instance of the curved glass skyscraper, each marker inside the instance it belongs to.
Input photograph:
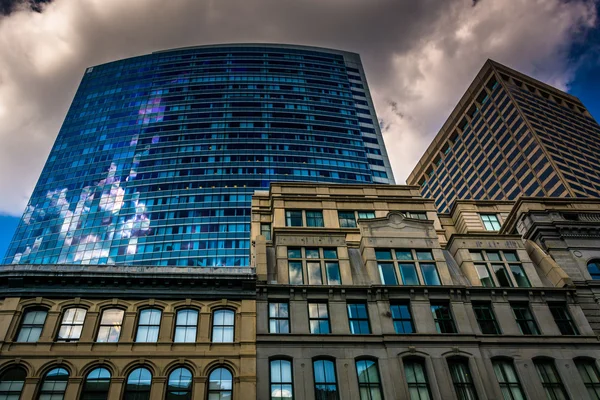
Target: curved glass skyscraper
(159, 155)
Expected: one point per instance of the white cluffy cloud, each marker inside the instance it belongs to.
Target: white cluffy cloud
(419, 57)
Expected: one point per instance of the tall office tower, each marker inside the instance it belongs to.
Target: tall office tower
(511, 135)
(158, 156)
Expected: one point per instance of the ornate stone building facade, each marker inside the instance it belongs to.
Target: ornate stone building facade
(365, 292)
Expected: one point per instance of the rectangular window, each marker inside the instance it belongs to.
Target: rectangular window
(551, 380)
(265, 230)
(442, 316)
(32, 325)
(314, 219)
(347, 219)
(415, 215)
(402, 317)
(563, 319)
(507, 269)
(490, 222)
(318, 318)
(321, 264)
(486, 318)
(293, 218)
(148, 326)
(186, 325)
(110, 326)
(358, 318)
(71, 325)
(403, 264)
(525, 319)
(279, 318)
(366, 215)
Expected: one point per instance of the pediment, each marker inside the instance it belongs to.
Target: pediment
(396, 224)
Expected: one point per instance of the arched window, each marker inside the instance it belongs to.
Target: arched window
(54, 385)
(186, 325)
(138, 385)
(32, 325)
(223, 324)
(462, 379)
(96, 385)
(369, 384)
(590, 375)
(282, 382)
(325, 380)
(220, 385)
(553, 385)
(179, 386)
(416, 379)
(71, 325)
(508, 380)
(11, 383)
(110, 325)
(594, 269)
(148, 325)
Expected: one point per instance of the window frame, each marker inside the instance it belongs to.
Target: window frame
(32, 325)
(412, 361)
(14, 369)
(72, 325)
(347, 213)
(568, 320)
(319, 319)
(316, 219)
(265, 230)
(127, 390)
(95, 392)
(209, 390)
(460, 386)
(101, 325)
(368, 384)
(542, 366)
(410, 320)
(415, 264)
(41, 390)
(189, 390)
(277, 319)
(281, 383)
(289, 218)
(489, 307)
(213, 325)
(525, 305)
(139, 324)
(489, 221)
(323, 262)
(589, 383)
(501, 364)
(443, 303)
(186, 326)
(480, 258)
(351, 319)
(595, 275)
(325, 382)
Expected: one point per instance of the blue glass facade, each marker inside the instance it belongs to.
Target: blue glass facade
(159, 155)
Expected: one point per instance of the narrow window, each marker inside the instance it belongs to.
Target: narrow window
(486, 318)
(563, 319)
(279, 318)
(54, 384)
(325, 380)
(265, 230)
(402, 317)
(32, 325)
(223, 325)
(508, 380)
(96, 385)
(590, 375)
(282, 383)
(295, 267)
(358, 318)
(501, 275)
(110, 325)
(220, 385)
(387, 273)
(366, 215)
(430, 274)
(314, 219)
(594, 269)
(525, 319)
(313, 270)
(148, 326)
(333, 273)
(179, 386)
(293, 218)
(490, 222)
(369, 384)
(186, 325)
(416, 379)
(462, 379)
(318, 318)
(71, 325)
(138, 384)
(551, 380)
(346, 219)
(11, 383)
(442, 316)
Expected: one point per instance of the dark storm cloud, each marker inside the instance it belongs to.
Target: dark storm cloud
(9, 6)
(419, 56)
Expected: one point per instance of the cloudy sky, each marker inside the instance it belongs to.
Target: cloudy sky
(419, 56)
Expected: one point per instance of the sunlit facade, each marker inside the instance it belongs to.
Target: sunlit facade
(158, 156)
